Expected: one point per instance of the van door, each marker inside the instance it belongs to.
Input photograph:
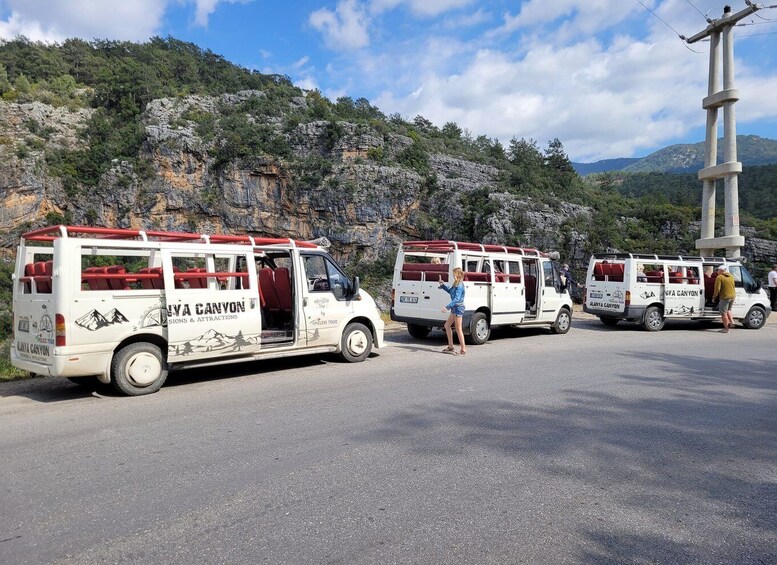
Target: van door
(551, 295)
(507, 296)
(682, 293)
(326, 302)
(743, 300)
(207, 314)
(34, 309)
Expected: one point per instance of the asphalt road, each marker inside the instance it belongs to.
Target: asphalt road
(605, 445)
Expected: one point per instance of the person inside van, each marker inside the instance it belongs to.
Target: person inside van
(456, 308)
(436, 261)
(641, 276)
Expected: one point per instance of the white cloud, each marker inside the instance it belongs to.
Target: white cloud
(467, 20)
(132, 20)
(425, 8)
(204, 8)
(345, 28)
(43, 20)
(607, 81)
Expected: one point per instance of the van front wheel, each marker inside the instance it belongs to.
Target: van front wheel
(653, 320)
(563, 322)
(755, 319)
(479, 329)
(356, 343)
(139, 368)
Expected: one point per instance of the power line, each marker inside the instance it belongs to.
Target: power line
(754, 34)
(703, 15)
(680, 35)
(660, 18)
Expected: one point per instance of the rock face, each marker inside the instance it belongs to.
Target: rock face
(342, 181)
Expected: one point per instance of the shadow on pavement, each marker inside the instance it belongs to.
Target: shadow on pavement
(700, 449)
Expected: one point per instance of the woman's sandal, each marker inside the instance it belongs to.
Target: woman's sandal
(449, 350)
(462, 353)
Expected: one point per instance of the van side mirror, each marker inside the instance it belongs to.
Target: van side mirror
(354, 290)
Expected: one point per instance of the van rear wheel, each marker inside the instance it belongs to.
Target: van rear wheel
(356, 343)
(139, 368)
(479, 329)
(653, 320)
(418, 332)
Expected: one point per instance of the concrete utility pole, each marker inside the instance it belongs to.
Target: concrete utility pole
(726, 97)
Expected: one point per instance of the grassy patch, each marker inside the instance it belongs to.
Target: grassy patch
(7, 371)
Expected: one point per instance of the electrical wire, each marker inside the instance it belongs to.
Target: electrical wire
(703, 15)
(680, 35)
(754, 34)
(662, 20)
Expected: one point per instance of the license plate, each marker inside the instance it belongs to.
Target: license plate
(409, 299)
(24, 326)
(596, 295)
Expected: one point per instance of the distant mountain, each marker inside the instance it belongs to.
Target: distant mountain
(604, 165)
(686, 158)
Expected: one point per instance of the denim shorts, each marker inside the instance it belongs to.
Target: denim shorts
(458, 310)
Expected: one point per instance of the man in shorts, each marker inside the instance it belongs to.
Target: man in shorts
(725, 291)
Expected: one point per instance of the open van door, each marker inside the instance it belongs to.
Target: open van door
(209, 314)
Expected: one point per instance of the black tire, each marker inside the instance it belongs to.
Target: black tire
(356, 343)
(755, 319)
(139, 368)
(608, 321)
(418, 332)
(653, 320)
(479, 329)
(563, 322)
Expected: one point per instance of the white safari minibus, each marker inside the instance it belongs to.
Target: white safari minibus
(649, 289)
(505, 286)
(125, 306)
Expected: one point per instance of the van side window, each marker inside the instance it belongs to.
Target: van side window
(324, 276)
(736, 272)
(549, 274)
(105, 269)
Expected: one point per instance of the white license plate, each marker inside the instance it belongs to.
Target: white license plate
(409, 299)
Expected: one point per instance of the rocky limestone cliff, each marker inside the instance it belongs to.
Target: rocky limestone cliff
(341, 181)
(364, 207)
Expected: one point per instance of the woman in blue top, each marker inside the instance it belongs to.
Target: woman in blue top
(456, 307)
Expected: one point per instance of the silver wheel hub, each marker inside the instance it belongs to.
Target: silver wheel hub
(481, 329)
(357, 343)
(143, 369)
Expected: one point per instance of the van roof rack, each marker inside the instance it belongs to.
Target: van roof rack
(445, 246)
(650, 256)
(52, 233)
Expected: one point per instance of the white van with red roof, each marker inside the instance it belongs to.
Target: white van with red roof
(649, 289)
(125, 306)
(505, 286)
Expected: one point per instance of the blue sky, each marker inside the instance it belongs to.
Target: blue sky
(606, 77)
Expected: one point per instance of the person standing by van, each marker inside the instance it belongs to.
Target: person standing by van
(724, 289)
(456, 307)
(772, 282)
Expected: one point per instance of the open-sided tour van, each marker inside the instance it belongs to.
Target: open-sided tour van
(505, 286)
(649, 289)
(125, 306)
